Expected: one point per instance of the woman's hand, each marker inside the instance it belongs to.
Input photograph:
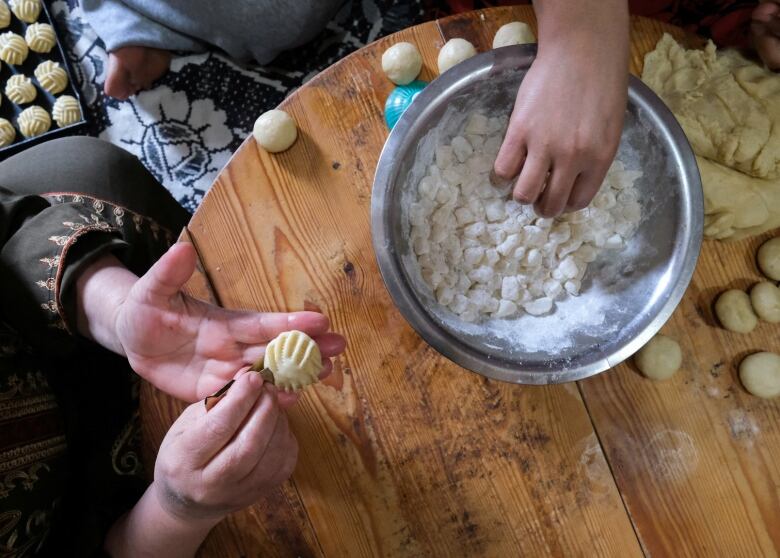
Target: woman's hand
(765, 32)
(568, 116)
(209, 465)
(185, 347)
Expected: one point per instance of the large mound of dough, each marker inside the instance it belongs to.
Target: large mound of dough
(729, 108)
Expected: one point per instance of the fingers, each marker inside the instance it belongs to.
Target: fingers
(278, 462)
(511, 156)
(249, 444)
(766, 11)
(767, 44)
(167, 277)
(532, 178)
(118, 83)
(552, 201)
(215, 428)
(261, 327)
(586, 186)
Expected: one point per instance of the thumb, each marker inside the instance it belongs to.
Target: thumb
(167, 277)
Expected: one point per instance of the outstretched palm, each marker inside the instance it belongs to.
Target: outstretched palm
(189, 348)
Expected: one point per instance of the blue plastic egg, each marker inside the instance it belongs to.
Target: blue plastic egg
(400, 99)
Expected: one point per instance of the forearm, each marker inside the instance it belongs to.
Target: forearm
(149, 530)
(592, 28)
(100, 291)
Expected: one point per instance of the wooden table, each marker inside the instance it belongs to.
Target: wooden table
(403, 453)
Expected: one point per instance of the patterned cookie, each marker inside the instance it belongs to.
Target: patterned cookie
(51, 76)
(66, 111)
(26, 10)
(40, 37)
(33, 121)
(20, 89)
(7, 133)
(5, 17)
(13, 49)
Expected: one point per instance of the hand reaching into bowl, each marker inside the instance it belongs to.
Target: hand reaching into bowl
(567, 120)
(185, 347)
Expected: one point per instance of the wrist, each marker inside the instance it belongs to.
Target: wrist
(179, 509)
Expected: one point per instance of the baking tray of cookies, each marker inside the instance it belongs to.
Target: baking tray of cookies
(70, 109)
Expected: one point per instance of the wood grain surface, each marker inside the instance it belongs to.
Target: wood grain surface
(403, 453)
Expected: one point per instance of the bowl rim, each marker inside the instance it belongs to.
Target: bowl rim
(520, 57)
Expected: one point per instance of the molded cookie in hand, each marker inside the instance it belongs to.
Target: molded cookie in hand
(295, 360)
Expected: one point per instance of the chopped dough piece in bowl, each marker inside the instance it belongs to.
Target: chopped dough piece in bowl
(660, 358)
(760, 374)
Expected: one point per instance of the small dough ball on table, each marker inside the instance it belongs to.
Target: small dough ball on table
(660, 358)
(275, 131)
(5, 15)
(33, 121)
(735, 312)
(13, 49)
(26, 10)
(295, 360)
(20, 89)
(765, 298)
(402, 63)
(40, 37)
(768, 257)
(66, 111)
(7, 133)
(760, 374)
(454, 52)
(514, 33)
(51, 76)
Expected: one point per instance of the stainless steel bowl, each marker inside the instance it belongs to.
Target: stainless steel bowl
(643, 284)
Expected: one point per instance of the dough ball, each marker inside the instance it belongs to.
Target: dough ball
(20, 89)
(33, 121)
(66, 111)
(735, 312)
(660, 358)
(768, 257)
(40, 37)
(765, 298)
(514, 33)
(7, 133)
(275, 131)
(26, 10)
(51, 76)
(13, 49)
(5, 16)
(402, 63)
(295, 360)
(454, 52)
(760, 374)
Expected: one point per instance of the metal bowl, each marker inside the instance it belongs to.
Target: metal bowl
(626, 296)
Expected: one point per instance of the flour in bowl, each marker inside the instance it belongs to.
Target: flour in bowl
(485, 255)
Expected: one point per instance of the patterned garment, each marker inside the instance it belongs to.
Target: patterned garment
(69, 426)
(186, 127)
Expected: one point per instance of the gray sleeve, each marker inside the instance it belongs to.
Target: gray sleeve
(119, 25)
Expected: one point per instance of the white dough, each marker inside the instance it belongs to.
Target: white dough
(735, 312)
(402, 63)
(760, 374)
(275, 131)
(768, 257)
(486, 256)
(295, 360)
(660, 358)
(454, 52)
(765, 298)
(514, 33)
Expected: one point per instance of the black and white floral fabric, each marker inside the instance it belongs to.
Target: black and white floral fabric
(187, 126)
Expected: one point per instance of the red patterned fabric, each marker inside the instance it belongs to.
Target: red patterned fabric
(727, 22)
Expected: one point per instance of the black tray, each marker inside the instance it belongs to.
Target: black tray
(10, 111)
